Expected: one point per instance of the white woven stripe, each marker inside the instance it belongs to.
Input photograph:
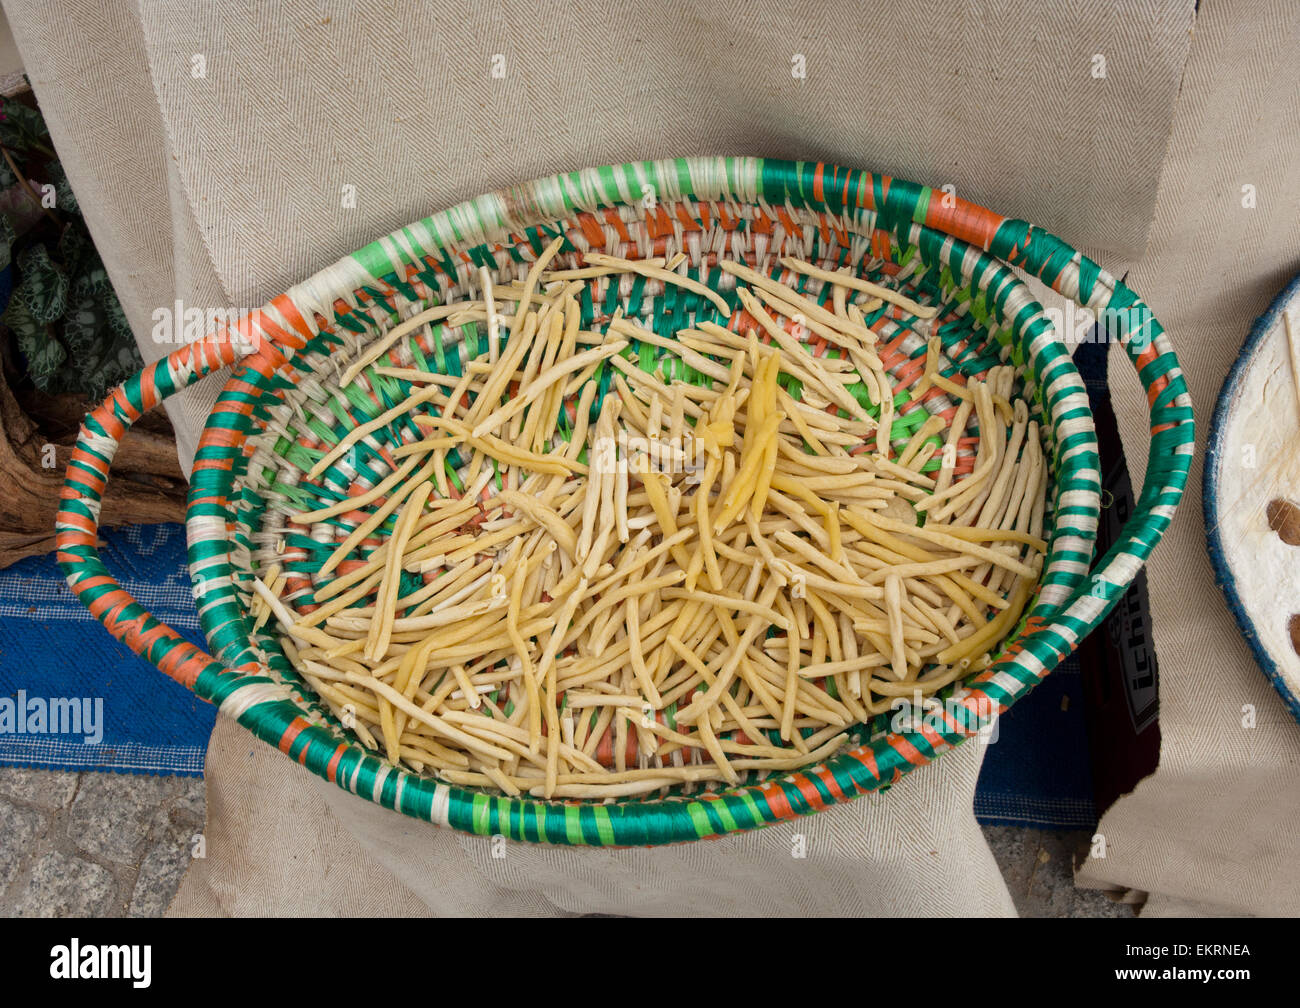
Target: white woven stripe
(643, 183)
(1019, 298)
(101, 444)
(406, 251)
(1031, 663)
(1066, 385)
(248, 696)
(440, 812)
(1060, 369)
(549, 198)
(182, 370)
(1052, 594)
(1078, 498)
(1103, 293)
(94, 506)
(669, 188)
(316, 295)
(60, 753)
(422, 235)
(1005, 681)
(1067, 566)
(273, 316)
(211, 572)
(377, 785)
(441, 231)
(1068, 429)
(1088, 608)
(213, 587)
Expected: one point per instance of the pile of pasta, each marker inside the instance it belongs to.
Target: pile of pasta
(709, 573)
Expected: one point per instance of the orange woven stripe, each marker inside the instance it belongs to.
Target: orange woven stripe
(292, 732)
(967, 221)
(777, 800)
(868, 759)
(827, 778)
(184, 663)
(591, 230)
(1158, 385)
(84, 458)
(616, 222)
(332, 768)
(809, 791)
(285, 306)
(905, 749)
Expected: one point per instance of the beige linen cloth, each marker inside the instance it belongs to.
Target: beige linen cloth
(210, 145)
(1216, 829)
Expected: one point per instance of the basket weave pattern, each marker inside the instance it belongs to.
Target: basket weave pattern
(282, 403)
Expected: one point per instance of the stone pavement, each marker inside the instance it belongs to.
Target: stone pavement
(106, 845)
(94, 844)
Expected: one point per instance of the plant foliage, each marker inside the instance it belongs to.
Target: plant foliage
(63, 317)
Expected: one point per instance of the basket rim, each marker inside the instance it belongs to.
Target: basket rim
(896, 204)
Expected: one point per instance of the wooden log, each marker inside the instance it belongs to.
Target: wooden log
(36, 439)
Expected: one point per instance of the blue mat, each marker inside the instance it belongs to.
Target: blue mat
(133, 719)
(1037, 772)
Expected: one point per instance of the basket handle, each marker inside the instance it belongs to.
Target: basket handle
(77, 523)
(1075, 276)
(1172, 426)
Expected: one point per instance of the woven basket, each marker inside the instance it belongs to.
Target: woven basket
(278, 410)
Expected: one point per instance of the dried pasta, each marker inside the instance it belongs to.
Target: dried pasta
(686, 583)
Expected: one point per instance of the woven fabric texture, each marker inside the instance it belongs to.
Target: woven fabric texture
(913, 851)
(51, 647)
(289, 150)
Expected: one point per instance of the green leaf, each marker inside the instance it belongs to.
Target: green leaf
(118, 326)
(65, 198)
(119, 365)
(42, 287)
(88, 373)
(21, 127)
(129, 360)
(90, 278)
(7, 239)
(20, 320)
(44, 353)
(102, 347)
(74, 250)
(81, 328)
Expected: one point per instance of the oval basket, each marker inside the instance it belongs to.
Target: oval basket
(278, 413)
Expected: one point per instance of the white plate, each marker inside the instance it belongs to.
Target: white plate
(1253, 458)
